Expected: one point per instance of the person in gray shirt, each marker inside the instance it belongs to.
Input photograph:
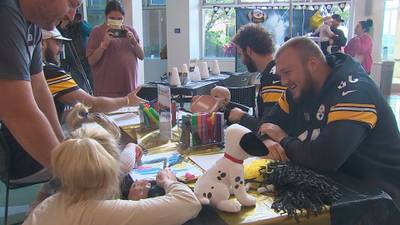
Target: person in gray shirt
(26, 106)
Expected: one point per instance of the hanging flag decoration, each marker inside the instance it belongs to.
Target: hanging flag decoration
(304, 7)
(310, 7)
(215, 9)
(342, 6)
(227, 10)
(329, 8)
(298, 7)
(316, 7)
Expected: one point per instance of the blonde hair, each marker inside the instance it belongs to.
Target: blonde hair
(85, 168)
(80, 114)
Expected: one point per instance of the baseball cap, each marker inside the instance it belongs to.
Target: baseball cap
(55, 34)
(337, 17)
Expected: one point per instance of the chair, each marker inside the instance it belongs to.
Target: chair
(4, 172)
(244, 95)
(148, 93)
(237, 80)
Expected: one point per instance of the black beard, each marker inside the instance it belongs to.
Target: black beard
(50, 57)
(251, 66)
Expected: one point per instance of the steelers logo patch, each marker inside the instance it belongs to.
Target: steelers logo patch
(321, 112)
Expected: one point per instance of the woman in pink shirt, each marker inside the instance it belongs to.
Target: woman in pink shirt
(360, 46)
(113, 51)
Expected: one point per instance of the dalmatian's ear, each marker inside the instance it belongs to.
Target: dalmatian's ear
(252, 145)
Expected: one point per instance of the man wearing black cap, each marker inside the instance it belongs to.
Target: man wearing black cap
(339, 40)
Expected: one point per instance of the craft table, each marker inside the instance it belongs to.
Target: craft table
(359, 204)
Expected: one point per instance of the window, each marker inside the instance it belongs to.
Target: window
(154, 32)
(391, 36)
(157, 2)
(95, 11)
(218, 2)
(219, 21)
(153, 3)
(219, 27)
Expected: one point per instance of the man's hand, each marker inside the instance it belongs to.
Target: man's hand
(273, 131)
(133, 99)
(276, 152)
(235, 115)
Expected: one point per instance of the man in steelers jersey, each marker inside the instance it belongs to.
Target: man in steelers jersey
(256, 49)
(333, 117)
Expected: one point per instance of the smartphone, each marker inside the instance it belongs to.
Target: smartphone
(118, 33)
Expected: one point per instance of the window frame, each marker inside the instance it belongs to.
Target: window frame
(239, 3)
(147, 5)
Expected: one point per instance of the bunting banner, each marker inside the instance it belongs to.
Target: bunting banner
(342, 6)
(329, 8)
(215, 9)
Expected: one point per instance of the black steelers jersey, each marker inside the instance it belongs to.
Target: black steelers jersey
(349, 127)
(268, 95)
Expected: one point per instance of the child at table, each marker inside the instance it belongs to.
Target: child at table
(89, 175)
(80, 116)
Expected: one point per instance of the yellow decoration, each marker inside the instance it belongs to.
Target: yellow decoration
(251, 170)
(316, 20)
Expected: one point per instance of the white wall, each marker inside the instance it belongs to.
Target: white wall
(178, 43)
(154, 69)
(373, 9)
(134, 18)
(227, 65)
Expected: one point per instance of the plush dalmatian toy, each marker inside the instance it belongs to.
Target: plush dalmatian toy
(226, 176)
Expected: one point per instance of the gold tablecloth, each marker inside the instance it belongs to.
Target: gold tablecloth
(260, 214)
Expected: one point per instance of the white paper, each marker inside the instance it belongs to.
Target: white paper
(206, 161)
(131, 109)
(126, 119)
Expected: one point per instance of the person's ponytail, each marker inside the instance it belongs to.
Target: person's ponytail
(80, 114)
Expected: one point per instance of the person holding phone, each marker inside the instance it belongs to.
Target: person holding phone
(113, 51)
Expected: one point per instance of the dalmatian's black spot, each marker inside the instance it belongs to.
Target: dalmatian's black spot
(219, 171)
(237, 179)
(204, 195)
(209, 195)
(241, 182)
(236, 186)
(219, 178)
(223, 175)
(212, 187)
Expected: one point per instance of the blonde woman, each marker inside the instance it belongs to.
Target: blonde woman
(89, 175)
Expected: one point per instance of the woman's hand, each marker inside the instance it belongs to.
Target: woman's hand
(139, 190)
(164, 177)
(133, 99)
(106, 39)
(131, 37)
